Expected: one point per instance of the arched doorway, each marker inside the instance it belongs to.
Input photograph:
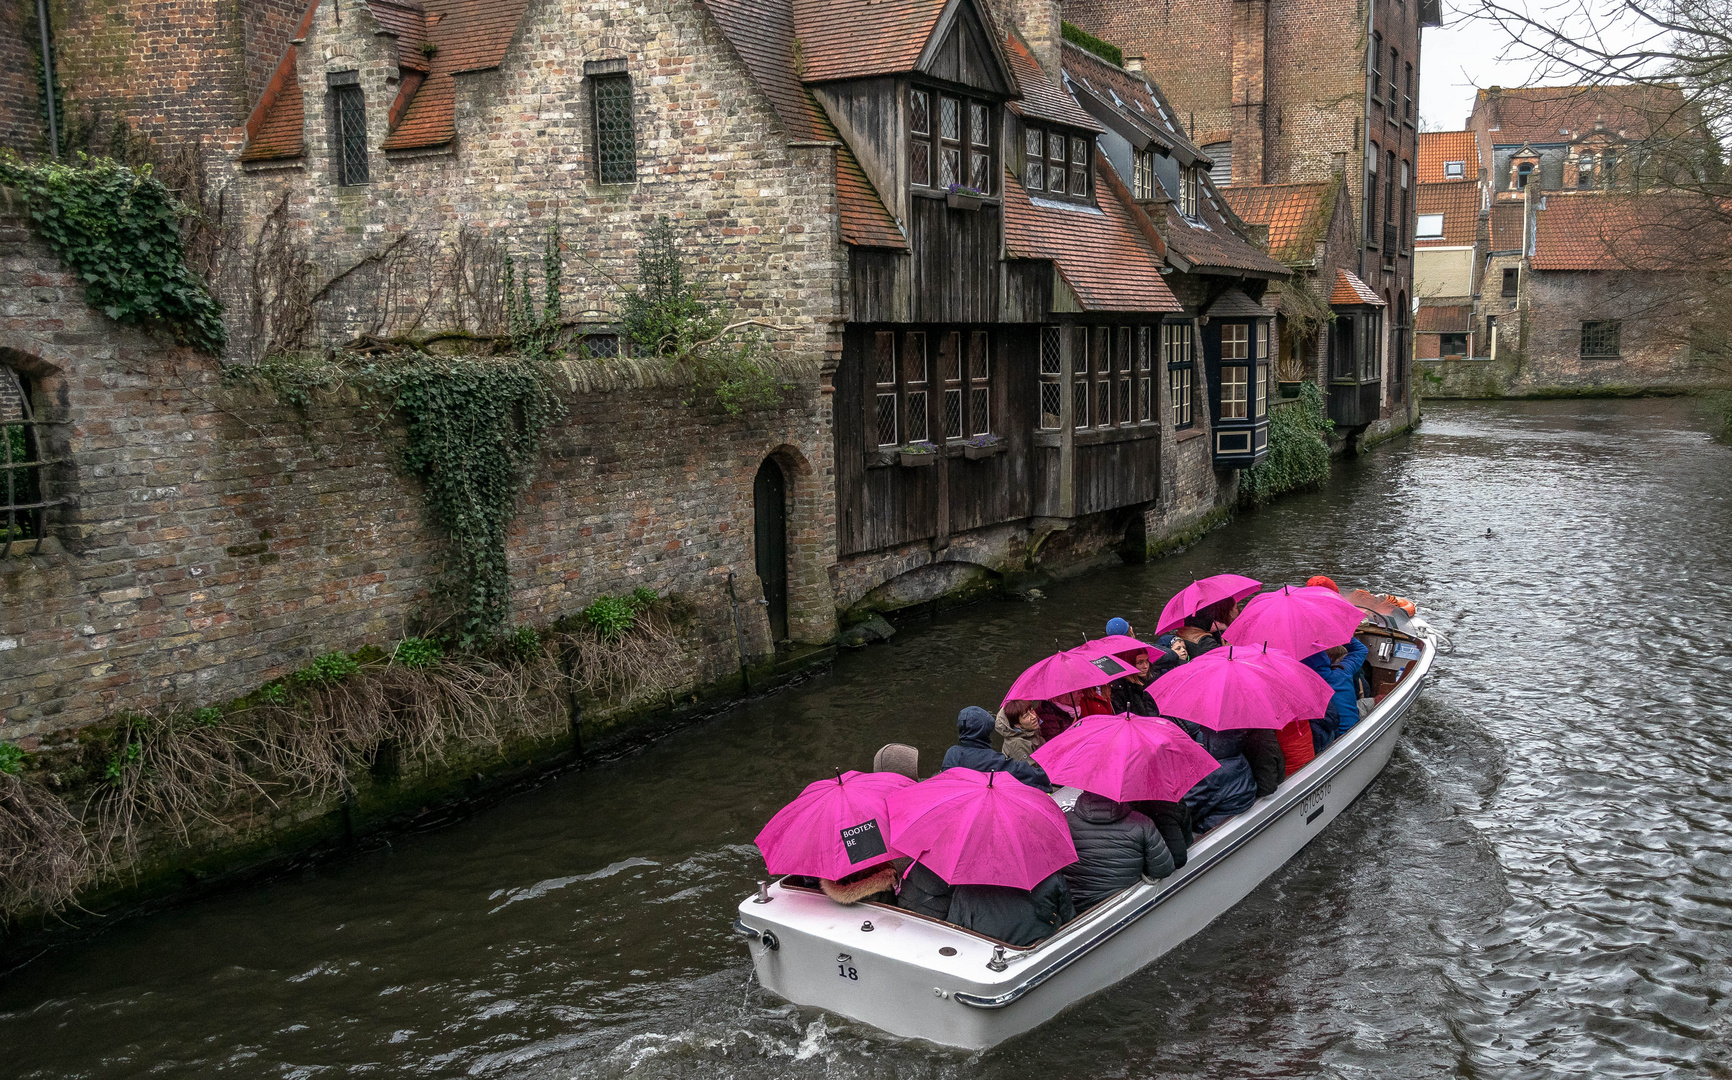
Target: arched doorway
(770, 534)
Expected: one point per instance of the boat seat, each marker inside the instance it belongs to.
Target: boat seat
(897, 758)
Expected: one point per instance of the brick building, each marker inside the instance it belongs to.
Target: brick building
(1556, 252)
(1316, 94)
(1024, 330)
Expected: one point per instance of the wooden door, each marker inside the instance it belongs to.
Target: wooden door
(770, 531)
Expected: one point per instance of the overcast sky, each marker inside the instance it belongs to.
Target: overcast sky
(1457, 58)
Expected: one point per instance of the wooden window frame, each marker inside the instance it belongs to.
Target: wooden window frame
(1178, 352)
(1236, 357)
(965, 368)
(1190, 194)
(974, 143)
(1051, 369)
(920, 142)
(1058, 162)
(1260, 395)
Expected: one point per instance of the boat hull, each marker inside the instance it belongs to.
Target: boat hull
(888, 968)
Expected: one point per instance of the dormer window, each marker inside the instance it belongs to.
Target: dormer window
(1143, 174)
(1454, 170)
(963, 143)
(1056, 162)
(1585, 171)
(1188, 191)
(1524, 172)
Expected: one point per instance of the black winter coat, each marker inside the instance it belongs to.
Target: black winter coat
(925, 892)
(973, 750)
(1115, 847)
(1173, 819)
(1017, 917)
(1230, 789)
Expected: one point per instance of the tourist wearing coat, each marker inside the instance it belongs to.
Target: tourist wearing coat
(1230, 789)
(1017, 917)
(1115, 848)
(973, 750)
(1339, 674)
(923, 891)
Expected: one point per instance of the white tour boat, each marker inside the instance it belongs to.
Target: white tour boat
(922, 978)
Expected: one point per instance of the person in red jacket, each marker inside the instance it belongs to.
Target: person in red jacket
(1297, 746)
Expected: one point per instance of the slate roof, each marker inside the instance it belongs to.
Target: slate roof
(1137, 99)
(1234, 304)
(1211, 242)
(1506, 226)
(1618, 231)
(1459, 205)
(1101, 254)
(1293, 213)
(855, 39)
(1041, 98)
(1437, 147)
(1350, 290)
(1443, 318)
(1540, 114)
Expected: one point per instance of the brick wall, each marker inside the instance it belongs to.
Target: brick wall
(216, 544)
(22, 127)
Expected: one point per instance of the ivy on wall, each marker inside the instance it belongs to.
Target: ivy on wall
(118, 229)
(1298, 455)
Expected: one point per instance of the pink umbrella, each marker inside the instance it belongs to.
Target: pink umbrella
(1200, 594)
(969, 829)
(1126, 758)
(1064, 673)
(833, 828)
(1299, 621)
(1113, 645)
(1234, 687)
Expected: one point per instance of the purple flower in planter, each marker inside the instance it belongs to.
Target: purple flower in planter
(919, 448)
(981, 442)
(964, 189)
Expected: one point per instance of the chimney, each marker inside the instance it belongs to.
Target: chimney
(1040, 25)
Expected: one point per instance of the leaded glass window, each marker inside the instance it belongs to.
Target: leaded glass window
(615, 148)
(884, 378)
(1051, 371)
(1176, 345)
(349, 109)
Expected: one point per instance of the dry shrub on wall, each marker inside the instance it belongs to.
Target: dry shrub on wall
(44, 855)
(637, 657)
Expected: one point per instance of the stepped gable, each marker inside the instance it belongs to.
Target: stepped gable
(1437, 147)
(1459, 205)
(1350, 290)
(1294, 214)
(762, 35)
(1544, 114)
(1100, 253)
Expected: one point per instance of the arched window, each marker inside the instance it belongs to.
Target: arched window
(22, 498)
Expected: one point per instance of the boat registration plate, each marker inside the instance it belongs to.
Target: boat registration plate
(1406, 650)
(1312, 804)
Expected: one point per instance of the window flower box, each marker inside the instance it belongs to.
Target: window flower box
(916, 454)
(1289, 389)
(963, 197)
(982, 446)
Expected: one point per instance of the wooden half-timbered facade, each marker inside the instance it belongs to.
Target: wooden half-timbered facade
(1053, 317)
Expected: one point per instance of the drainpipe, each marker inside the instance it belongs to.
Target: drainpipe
(48, 79)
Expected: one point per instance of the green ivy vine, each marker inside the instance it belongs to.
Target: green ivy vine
(1298, 453)
(118, 229)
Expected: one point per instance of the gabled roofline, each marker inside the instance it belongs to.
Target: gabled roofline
(947, 19)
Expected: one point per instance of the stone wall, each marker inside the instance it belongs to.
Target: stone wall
(213, 542)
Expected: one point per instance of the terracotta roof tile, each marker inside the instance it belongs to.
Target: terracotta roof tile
(1213, 242)
(1459, 205)
(276, 127)
(1540, 114)
(1616, 231)
(864, 220)
(1437, 147)
(1041, 98)
(1506, 226)
(762, 32)
(405, 21)
(1101, 254)
(853, 39)
(469, 35)
(1443, 319)
(1350, 290)
(1293, 212)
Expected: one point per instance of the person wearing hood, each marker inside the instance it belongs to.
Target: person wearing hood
(1339, 667)
(1116, 847)
(1231, 789)
(973, 750)
(923, 891)
(1202, 629)
(1018, 917)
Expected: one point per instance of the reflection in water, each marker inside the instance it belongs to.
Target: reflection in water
(1538, 885)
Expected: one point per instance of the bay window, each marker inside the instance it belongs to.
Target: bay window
(1177, 343)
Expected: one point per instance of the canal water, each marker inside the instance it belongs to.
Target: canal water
(1539, 885)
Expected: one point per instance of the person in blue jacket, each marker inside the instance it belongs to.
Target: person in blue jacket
(1339, 667)
(973, 750)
